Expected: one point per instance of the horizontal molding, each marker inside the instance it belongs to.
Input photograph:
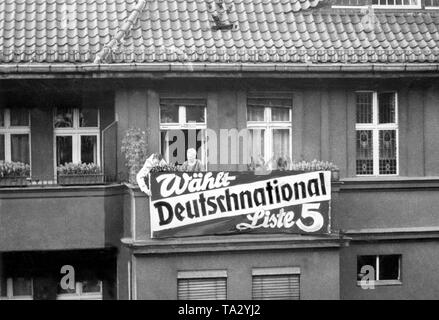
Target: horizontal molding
(197, 274)
(395, 183)
(62, 192)
(288, 70)
(275, 271)
(384, 234)
(230, 243)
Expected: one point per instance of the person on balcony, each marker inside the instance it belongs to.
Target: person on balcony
(192, 164)
(156, 159)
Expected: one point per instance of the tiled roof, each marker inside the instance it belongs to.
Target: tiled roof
(73, 31)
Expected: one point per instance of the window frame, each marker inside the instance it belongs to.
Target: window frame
(80, 295)
(269, 126)
(377, 281)
(275, 271)
(380, 6)
(10, 291)
(7, 131)
(376, 127)
(182, 124)
(76, 132)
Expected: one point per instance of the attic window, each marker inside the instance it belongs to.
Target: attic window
(397, 3)
(384, 4)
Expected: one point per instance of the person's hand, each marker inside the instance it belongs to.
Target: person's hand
(146, 190)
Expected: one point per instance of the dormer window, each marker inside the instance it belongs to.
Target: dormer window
(396, 3)
(383, 4)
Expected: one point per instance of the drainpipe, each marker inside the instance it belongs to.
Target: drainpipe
(102, 55)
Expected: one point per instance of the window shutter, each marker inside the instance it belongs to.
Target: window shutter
(202, 289)
(276, 287)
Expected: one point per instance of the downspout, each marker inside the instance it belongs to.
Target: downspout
(102, 55)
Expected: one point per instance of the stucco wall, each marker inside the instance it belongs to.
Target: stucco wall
(156, 275)
(420, 263)
(60, 218)
(395, 207)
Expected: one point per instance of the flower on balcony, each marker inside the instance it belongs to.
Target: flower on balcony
(284, 163)
(165, 168)
(314, 165)
(14, 169)
(78, 169)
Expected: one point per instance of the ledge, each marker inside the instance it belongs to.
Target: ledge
(383, 234)
(395, 183)
(56, 191)
(197, 69)
(234, 243)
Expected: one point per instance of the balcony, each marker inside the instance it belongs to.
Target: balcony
(46, 216)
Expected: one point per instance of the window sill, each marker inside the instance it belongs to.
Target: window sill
(381, 283)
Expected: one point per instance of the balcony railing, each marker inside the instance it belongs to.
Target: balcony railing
(61, 180)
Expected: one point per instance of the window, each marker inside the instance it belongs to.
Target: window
(276, 283)
(397, 3)
(376, 133)
(386, 268)
(15, 135)
(182, 126)
(19, 288)
(84, 290)
(432, 3)
(269, 128)
(381, 4)
(202, 285)
(77, 135)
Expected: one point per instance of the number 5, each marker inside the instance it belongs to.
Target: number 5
(307, 212)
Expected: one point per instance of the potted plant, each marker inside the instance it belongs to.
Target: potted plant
(14, 173)
(316, 165)
(79, 173)
(134, 147)
(284, 163)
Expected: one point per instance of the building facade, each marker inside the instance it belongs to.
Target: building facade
(351, 83)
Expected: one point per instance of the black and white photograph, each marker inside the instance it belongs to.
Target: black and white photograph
(232, 150)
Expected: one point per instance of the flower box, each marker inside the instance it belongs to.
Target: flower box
(13, 181)
(80, 179)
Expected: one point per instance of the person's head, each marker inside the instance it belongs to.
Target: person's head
(191, 154)
(156, 159)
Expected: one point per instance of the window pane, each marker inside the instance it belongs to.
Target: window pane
(2, 147)
(256, 145)
(64, 291)
(364, 152)
(64, 118)
(280, 114)
(255, 113)
(88, 117)
(2, 117)
(389, 267)
(63, 150)
(89, 149)
(281, 143)
(175, 143)
(364, 107)
(168, 113)
(21, 287)
(195, 114)
(387, 143)
(19, 117)
(91, 286)
(365, 261)
(20, 148)
(386, 106)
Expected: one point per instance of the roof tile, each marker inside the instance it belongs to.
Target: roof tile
(175, 30)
